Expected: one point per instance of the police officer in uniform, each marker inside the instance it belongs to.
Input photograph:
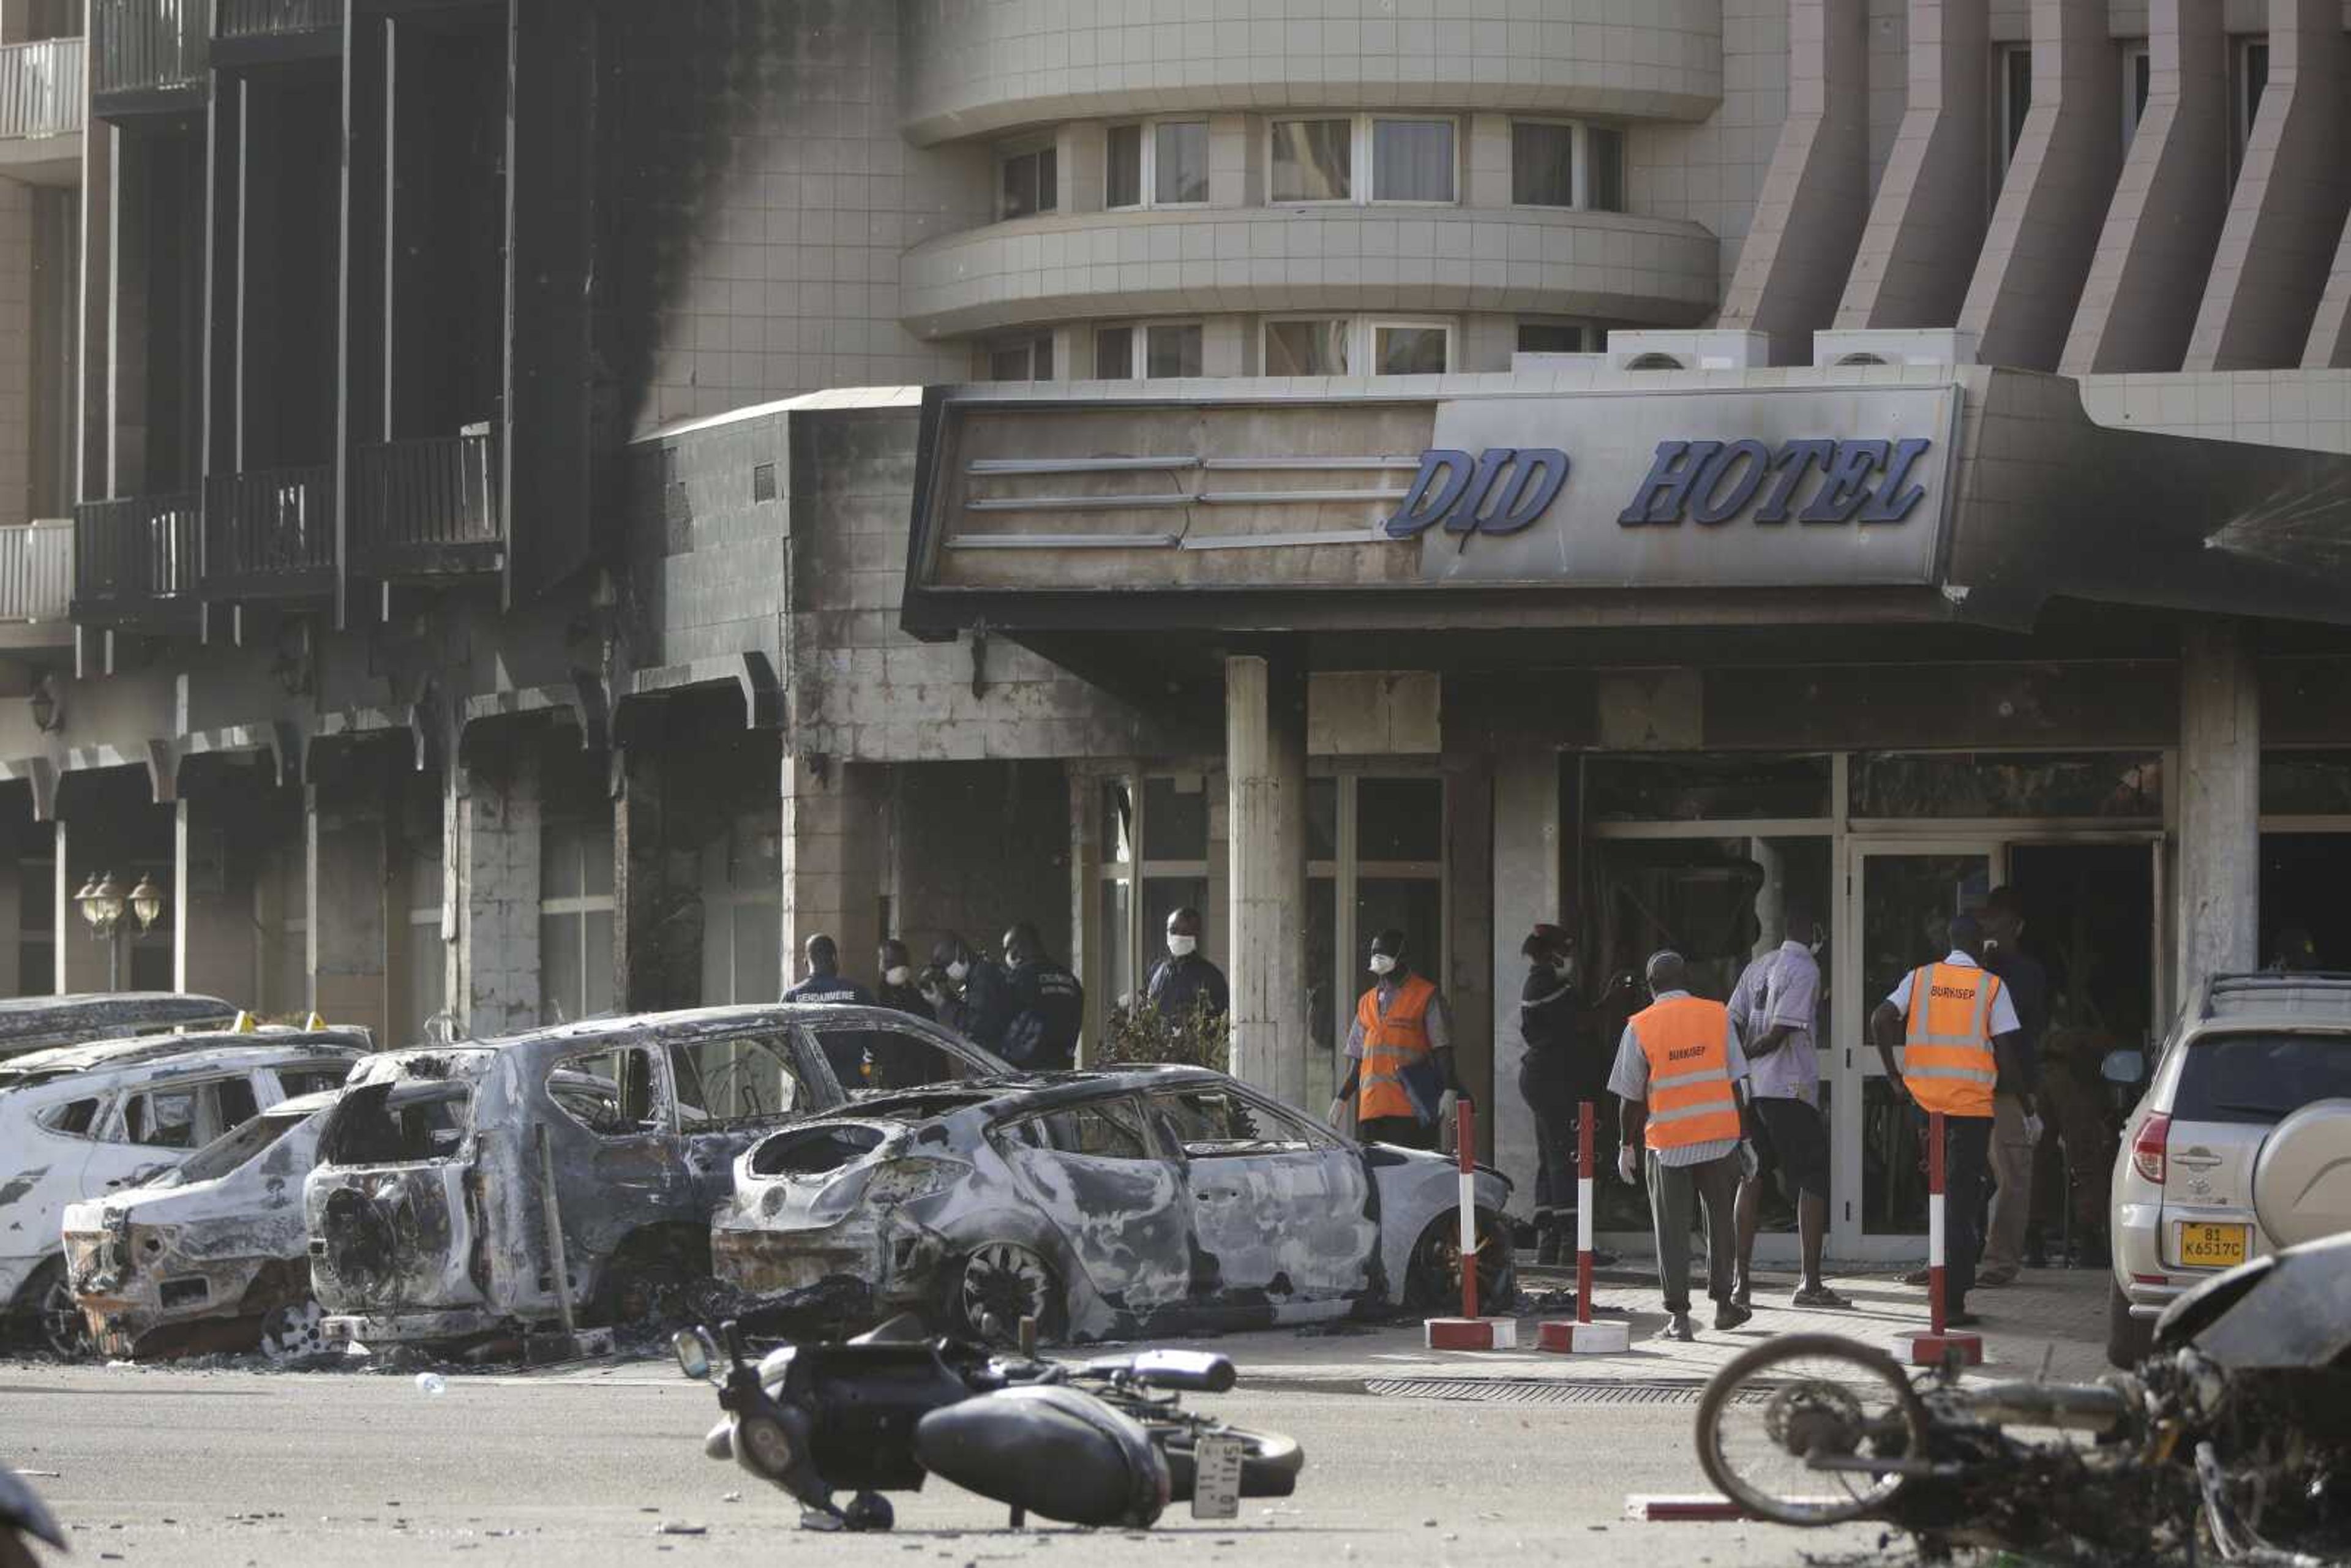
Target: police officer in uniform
(898, 989)
(1959, 1033)
(1680, 1076)
(980, 990)
(1400, 1054)
(825, 983)
(1185, 982)
(1048, 1006)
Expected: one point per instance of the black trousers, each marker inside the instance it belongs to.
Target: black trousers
(1553, 1100)
(1967, 1168)
(1403, 1132)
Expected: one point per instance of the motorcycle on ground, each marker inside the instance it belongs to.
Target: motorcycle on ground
(2232, 1442)
(1101, 1442)
(23, 1514)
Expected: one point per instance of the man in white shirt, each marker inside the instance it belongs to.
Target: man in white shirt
(1775, 1007)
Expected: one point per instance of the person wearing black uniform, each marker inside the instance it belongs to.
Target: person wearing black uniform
(899, 1059)
(983, 993)
(845, 1048)
(898, 989)
(1048, 1006)
(1549, 1015)
(1184, 982)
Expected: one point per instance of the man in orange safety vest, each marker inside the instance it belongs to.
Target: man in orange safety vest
(1959, 1036)
(1400, 1055)
(1681, 1075)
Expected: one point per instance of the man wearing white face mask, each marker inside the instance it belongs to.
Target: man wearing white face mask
(1183, 982)
(983, 988)
(897, 990)
(1400, 1054)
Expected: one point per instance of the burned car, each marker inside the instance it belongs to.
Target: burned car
(1105, 1204)
(209, 1255)
(44, 1023)
(455, 1185)
(87, 1120)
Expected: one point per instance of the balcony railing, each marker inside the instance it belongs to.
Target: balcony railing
(427, 508)
(40, 89)
(276, 18)
(37, 563)
(148, 45)
(270, 533)
(134, 556)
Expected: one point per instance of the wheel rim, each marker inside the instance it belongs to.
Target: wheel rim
(1007, 1282)
(1769, 1422)
(295, 1333)
(1440, 1260)
(63, 1328)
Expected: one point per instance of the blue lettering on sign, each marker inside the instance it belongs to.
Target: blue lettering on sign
(1711, 482)
(1501, 491)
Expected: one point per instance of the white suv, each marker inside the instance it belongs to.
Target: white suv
(2241, 1144)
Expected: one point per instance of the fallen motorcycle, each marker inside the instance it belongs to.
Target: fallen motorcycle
(2231, 1442)
(22, 1513)
(1101, 1442)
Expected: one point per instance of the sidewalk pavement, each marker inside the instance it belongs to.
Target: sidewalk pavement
(2056, 1314)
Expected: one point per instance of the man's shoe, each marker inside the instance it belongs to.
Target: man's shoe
(1996, 1277)
(1916, 1276)
(2036, 1256)
(1729, 1315)
(1547, 1247)
(1679, 1327)
(1961, 1318)
(1819, 1296)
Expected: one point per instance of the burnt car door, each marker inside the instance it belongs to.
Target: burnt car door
(618, 1165)
(1280, 1208)
(1115, 1200)
(733, 1089)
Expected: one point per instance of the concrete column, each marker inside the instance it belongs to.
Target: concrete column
(2329, 347)
(490, 821)
(1815, 197)
(1526, 889)
(2139, 301)
(2286, 211)
(349, 958)
(64, 919)
(1265, 783)
(218, 925)
(832, 833)
(2220, 803)
(655, 971)
(2045, 228)
(1927, 226)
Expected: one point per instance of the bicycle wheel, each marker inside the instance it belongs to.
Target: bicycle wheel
(1789, 1430)
(1269, 1461)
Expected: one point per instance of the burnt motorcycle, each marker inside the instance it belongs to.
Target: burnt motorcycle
(22, 1514)
(2231, 1441)
(1101, 1442)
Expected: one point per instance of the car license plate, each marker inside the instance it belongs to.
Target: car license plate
(1217, 1477)
(2213, 1246)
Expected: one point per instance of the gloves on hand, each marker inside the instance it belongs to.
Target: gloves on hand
(2032, 1128)
(1748, 1164)
(1628, 1164)
(1337, 1115)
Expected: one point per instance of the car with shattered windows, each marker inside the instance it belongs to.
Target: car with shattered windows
(441, 1169)
(211, 1255)
(2241, 1145)
(86, 1120)
(1105, 1204)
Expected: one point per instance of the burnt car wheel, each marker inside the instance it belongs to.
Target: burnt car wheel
(1000, 1283)
(1432, 1281)
(293, 1335)
(53, 1317)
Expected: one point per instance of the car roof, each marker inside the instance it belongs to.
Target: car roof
(256, 1046)
(716, 1022)
(2320, 998)
(1014, 1095)
(30, 1024)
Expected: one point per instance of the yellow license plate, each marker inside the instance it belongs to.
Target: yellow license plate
(2213, 1246)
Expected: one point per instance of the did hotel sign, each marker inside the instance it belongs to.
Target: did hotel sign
(1783, 487)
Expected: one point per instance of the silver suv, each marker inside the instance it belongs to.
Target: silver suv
(2241, 1144)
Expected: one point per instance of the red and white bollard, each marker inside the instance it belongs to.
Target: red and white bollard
(1469, 1332)
(1932, 1348)
(1584, 1337)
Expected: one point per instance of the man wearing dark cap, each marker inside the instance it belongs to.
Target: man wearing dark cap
(1957, 1028)
(1399, 1054)
(1550, 1023)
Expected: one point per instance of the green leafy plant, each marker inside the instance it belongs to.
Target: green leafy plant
(1202, 1037)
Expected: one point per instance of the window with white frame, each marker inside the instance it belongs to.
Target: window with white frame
(743, 911)
(1375, 859)
(575, 919)
(1400, 158)
(1154, 833)
(1157, 164)
(1156, 350)
(2138, 76)
(2015, 66)
(1028, 358)
(1356, 345)
(1027, 180)
(1567, 164)
(2248, 80)
(1559, 338)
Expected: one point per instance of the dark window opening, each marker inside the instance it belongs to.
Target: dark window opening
(395, 1123)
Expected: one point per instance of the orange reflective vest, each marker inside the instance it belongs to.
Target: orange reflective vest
(1690, 1097)
(1947, 1057)
(1390, 1045)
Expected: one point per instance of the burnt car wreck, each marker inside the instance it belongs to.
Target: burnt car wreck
(1104, 1205)
(455, 1187)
